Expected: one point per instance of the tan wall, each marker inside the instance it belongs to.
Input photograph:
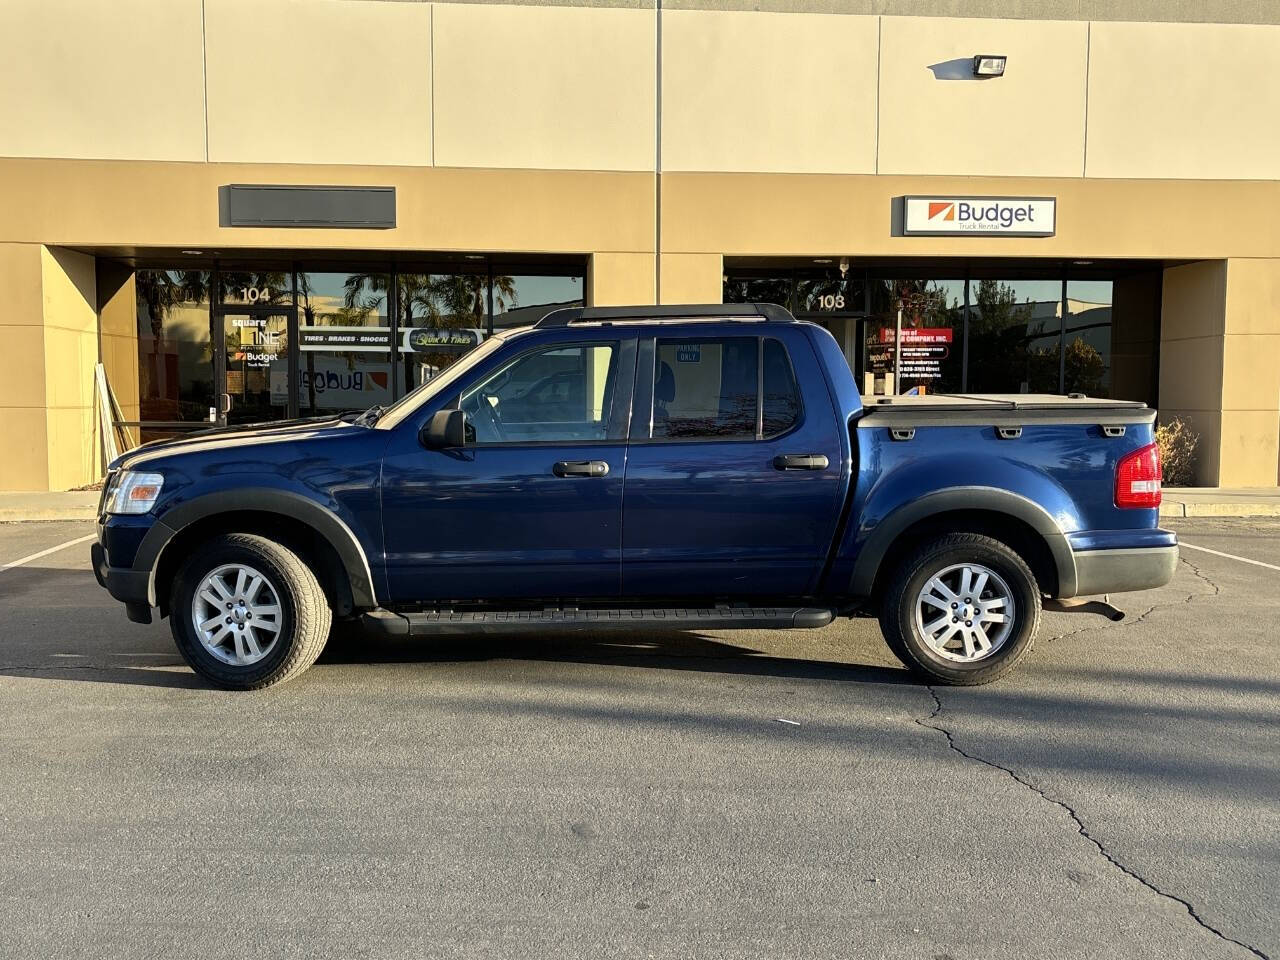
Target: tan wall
(768, 91)
(1184, 100)
(519, 85)
(1220, 338)
(119, 80)
(339, 81)
(1251, 375)
(691, 278)
(620, 279)
(47, 393)
(1030, 122)
(24, 464)
(95, 203)
(69, 288)
(815, 215)
(554, 87)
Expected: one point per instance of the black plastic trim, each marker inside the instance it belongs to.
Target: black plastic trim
(260, 500)
(436, 622)
(1124, 570)
(989, 499)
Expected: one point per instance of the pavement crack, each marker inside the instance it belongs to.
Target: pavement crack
(931, 723)
(1201, 575)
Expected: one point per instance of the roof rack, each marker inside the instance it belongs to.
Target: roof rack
(669, 312)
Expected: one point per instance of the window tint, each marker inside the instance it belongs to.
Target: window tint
(706, 389)
(560, 393)
(781, 395)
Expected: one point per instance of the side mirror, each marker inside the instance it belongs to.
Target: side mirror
(446, 428)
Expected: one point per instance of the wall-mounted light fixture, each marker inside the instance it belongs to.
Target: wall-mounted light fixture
(988, 65)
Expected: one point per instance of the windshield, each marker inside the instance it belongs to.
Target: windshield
(419, 395)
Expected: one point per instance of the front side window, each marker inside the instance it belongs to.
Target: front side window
(711, 389)
(561, 393)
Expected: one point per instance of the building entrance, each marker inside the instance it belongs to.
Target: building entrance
(254, 365)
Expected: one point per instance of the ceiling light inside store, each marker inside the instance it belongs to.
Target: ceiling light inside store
(473, 256)
(193, 253)
(989, 65)
(1082, 263)
(824, 260)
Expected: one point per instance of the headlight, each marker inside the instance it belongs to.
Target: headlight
(134, 492)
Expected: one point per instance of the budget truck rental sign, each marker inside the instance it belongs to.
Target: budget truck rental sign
(980, 216)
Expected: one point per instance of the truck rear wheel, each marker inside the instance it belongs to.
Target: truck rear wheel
(247, 612)
(961, 609)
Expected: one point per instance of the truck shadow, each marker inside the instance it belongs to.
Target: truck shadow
(646, 649)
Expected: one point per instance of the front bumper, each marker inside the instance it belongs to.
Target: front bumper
(1124, 570)
(130, 587)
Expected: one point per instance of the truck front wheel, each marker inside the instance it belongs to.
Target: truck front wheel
(247, 612)
(961, 609)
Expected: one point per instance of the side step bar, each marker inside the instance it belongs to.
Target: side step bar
(443, 622)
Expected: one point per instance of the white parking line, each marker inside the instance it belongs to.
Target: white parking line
(1229, 556)
(45, 553)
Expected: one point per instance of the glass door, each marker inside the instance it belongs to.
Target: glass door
(255, 364)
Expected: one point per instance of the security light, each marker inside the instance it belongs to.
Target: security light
(989, 65)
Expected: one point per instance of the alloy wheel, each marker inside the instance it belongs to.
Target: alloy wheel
(965, 612)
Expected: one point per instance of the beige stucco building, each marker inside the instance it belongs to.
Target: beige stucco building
(620, 152)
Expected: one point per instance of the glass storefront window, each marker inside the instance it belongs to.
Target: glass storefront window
(1087, 368)
(255, 287)
(442, 316)
(175, 351)
(344, 342)
(746, 287)
(521, 300)
(1014, 336)
(932, 337)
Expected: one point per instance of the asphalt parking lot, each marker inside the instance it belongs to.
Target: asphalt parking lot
(739, 794)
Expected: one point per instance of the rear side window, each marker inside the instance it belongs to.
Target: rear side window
(712, 389)
(781, 395)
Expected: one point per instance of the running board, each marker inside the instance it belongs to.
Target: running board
(438, 622)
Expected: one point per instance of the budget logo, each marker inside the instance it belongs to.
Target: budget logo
(979, 216)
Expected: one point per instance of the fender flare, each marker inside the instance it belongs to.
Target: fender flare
(989, 499)
(295, 506)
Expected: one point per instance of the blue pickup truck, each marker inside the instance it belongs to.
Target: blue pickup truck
(684, 467)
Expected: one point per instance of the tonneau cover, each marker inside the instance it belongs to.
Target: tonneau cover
(1002, 409)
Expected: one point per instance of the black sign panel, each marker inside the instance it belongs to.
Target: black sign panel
(266, 205)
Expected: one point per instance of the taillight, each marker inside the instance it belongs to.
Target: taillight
(1138, 478)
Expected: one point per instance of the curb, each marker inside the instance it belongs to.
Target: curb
(1184, 510)
(51, 513)
(74, 505)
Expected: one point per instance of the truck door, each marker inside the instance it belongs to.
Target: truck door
(531, 506)
(734, 472)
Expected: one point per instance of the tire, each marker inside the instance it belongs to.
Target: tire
(235, 652)
(954, 656)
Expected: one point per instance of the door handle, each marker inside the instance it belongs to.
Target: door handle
(225, 404)
(580, 468)
(801, 461)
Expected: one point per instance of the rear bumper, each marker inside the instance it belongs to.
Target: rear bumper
(1124, 570)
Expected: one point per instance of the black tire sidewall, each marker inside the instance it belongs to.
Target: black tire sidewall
(911, 647)
(215, 553)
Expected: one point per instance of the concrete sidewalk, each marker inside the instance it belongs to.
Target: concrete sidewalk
(1178, 502)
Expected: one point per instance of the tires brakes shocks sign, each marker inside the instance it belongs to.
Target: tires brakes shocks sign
(980, 216)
